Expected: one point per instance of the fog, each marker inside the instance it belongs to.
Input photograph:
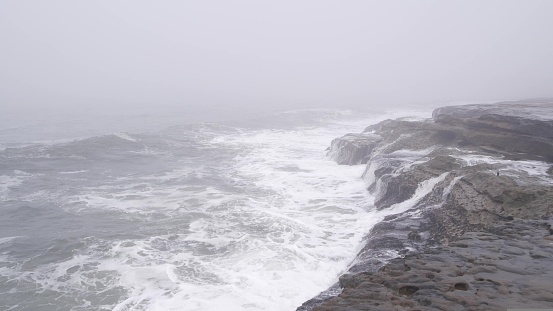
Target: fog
(279, 54)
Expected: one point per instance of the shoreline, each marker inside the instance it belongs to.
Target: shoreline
(469, 193)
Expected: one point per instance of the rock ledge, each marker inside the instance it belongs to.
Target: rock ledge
(466, 199)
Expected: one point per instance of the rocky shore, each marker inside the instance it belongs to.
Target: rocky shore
(467, 201)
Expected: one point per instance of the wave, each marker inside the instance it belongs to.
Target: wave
(200, 216)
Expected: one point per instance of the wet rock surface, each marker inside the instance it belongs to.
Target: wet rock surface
(466, 200)
(527, 118)
(353, 148)
(508, 266)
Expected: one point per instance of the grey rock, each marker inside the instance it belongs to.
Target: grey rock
(461, 276)
(353, 148)
(481, 238)
(526, 118)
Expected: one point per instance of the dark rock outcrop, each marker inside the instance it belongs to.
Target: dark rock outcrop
(353, 148)
(508, 266)
(466, 199)
(522, 118)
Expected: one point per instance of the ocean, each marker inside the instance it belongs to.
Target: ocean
(165, 212)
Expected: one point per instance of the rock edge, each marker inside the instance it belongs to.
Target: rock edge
(479, 236)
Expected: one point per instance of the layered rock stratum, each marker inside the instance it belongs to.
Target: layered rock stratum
(468, 199)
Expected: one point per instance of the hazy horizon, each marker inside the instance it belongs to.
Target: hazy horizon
(195, 155)
(139, 54)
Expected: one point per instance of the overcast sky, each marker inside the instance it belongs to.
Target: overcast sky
(275, 54)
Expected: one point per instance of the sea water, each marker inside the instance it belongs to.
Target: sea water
(234, 215)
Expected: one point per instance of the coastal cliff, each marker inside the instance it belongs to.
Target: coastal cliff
(466, 199)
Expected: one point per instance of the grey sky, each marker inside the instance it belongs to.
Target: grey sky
(279, 53)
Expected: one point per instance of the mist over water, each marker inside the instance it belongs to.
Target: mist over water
(198, 216)
(61, 54)
(171, 155)
(21, 125)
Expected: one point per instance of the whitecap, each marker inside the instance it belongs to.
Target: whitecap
(126, 136)
(73, 172)
(8, 239)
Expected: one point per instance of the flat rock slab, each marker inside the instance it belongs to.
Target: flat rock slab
(530, 117)
(481, 271)
(480, 238)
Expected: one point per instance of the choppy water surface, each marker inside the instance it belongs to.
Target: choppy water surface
(201, 216)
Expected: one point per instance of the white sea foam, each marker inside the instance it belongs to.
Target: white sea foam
(281, 226)
(304, 229)
(452, 184)
(150, 151)
(8, 239)
(73, 172)
(126, 136)
(423, 190)
(267, 249)
(10, 182)
(533, 170)
(399, 160)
